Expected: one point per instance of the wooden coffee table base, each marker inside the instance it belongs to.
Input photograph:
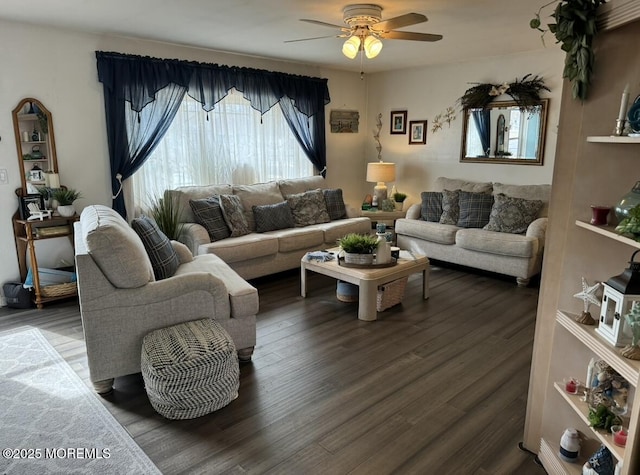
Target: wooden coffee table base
(368, 280)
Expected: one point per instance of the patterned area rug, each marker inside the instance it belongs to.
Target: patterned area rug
(51, 421)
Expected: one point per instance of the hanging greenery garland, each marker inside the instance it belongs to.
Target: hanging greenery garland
(574, 27)
(525, 93)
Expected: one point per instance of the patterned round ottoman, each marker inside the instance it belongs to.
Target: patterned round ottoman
(190, 369)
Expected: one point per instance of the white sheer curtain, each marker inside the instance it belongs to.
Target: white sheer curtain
(233, 146)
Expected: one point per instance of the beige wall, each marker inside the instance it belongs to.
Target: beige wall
(426, 92)
(58, 67)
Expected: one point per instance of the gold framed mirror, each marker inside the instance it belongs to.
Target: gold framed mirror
(35, 144)
(504, 133)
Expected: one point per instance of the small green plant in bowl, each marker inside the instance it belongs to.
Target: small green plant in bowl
(359, 243)
(65, 196)
(399, 197)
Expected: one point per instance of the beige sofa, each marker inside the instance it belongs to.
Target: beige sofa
(258, 254)
(121, 301)
(517, 255)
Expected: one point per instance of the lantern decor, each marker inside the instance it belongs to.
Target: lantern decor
(588, 296)
(620, 294)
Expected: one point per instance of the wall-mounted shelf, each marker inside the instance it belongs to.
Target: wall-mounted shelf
(612, 139)
(608, 231)
(582, 409)
(549, 457)
(628, 369)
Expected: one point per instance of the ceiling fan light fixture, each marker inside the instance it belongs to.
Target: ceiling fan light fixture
(351, 47)
(372, 46)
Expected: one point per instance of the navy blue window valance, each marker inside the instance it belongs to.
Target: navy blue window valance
(137, 79)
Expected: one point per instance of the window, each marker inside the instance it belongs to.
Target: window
(230, 144)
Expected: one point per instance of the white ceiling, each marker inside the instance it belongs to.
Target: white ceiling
(471, 28)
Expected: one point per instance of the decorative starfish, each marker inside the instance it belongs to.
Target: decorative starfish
(588, 294)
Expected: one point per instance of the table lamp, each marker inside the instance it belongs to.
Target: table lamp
(379, 173)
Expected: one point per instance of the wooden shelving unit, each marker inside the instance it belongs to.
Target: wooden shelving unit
(589, 169)
(26, 238)
(608, 232)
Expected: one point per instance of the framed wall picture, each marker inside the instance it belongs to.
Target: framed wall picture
(417, 132)
(398, 122)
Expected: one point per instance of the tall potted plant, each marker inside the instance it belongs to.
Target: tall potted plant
(166, 213)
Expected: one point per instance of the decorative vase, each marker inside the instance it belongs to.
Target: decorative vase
(360, 259)
(383, 250)
(628, 202)
(399, 205)
(570, 445)
(66, 210)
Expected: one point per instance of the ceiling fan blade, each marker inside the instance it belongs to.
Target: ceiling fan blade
(321, 23)
(400, 21)
(408, 35)
(316, 38)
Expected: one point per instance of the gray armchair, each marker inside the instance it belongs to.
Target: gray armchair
(120, 300)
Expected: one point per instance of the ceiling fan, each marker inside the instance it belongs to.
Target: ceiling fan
(365, 28)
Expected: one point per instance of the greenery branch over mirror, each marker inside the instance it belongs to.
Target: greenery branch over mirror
(525, 93)
(574, 27)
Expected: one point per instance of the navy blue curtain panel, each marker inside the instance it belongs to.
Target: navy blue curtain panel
(138, 80)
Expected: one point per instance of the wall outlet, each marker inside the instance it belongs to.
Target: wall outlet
(4, 176)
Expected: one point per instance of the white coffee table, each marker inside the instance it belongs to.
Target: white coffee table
(368, 279)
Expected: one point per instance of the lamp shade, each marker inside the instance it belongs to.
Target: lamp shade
(381, 172)
(351, 47)
(372, 46)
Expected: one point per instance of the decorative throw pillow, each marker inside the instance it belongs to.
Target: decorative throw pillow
(208, 213)
(431, 209)
(233, 213)
(475, 209)
(335, 204)
(512, 215)
(163, 256)
(272, 217)
(308, 208)
(450, 207)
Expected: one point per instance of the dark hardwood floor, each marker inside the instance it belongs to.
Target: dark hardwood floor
(432, 387)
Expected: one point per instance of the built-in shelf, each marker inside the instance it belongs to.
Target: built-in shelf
(552, 462)
(608, 231)
(582, 409)
(612, 139)
(628, 369)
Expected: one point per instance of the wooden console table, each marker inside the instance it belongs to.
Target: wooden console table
(26, 234)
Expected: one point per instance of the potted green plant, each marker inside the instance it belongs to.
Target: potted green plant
(166, 213)
(399, 200)
(358, 248)
(65, 198)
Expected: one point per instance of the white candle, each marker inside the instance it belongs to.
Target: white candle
(54, 180)
(623, 103)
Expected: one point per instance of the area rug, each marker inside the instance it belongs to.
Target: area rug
(51, 422)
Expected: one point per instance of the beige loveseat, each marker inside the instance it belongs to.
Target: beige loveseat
(261, 253)
(121, 301)
(518, 255)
